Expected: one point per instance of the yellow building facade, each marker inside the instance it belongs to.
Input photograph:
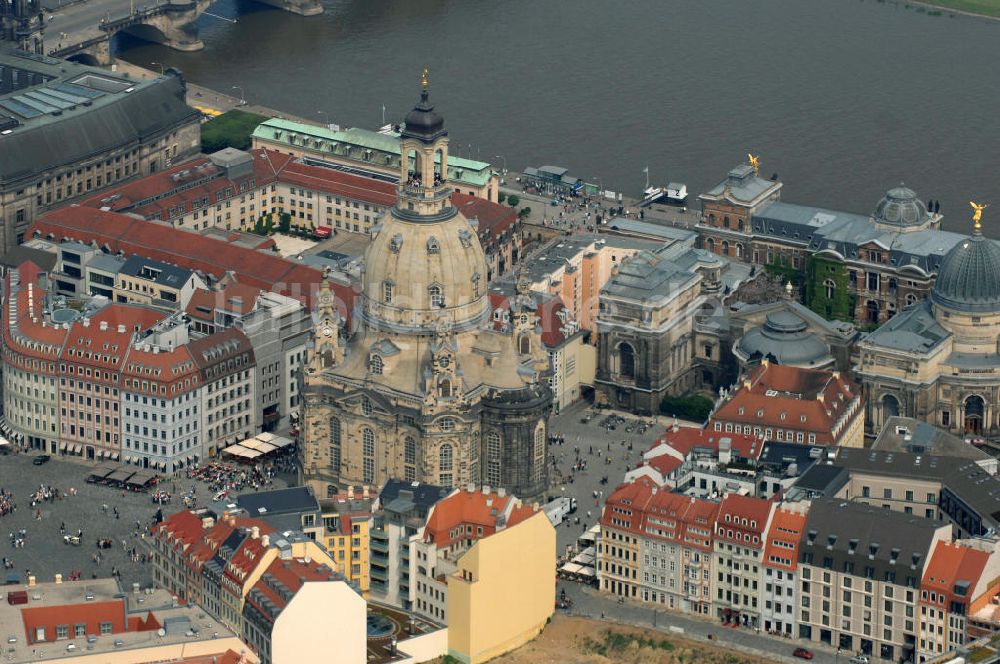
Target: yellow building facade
(503, 592)
(348, 524)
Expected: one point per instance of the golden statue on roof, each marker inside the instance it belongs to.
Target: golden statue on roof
(977, 215)
(423, 78)
(754, 162)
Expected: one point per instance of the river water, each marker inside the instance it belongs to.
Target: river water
(843, 99)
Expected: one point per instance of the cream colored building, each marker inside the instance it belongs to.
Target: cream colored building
(503, 591)
(302, 631)
(939, 359)
(426, 388)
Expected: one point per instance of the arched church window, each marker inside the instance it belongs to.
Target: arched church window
(368, 442)
(387, 292)
(445, 458)
(437, 296)
(368, 454)
(375, 365)
(335, 444)
(475, 284)
(910, 299)
(493, 451)
(524, 344)
(409, 450)
(831, 288)
(710, 244)
(447, 424)
(626, 360)
(444, 387)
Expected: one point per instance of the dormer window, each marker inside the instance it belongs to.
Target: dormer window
(387, 292)
(433, 246)
(376, 364)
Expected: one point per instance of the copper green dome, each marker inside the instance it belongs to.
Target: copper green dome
(969, 277)
(900, 207)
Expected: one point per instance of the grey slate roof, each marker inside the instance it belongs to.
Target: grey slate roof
(742, 185)
(919, 437)
(419, 494)
(169, 275)
(559, 250)
(821, 480)
(17, 255)
(914, 329)
(109, 118)
(106, 262)
(867, 540)
(652, 230)
(843, 232)
(647, 276)
(292, 500)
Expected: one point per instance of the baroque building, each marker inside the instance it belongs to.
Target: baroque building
(426, 388)
(938, 360)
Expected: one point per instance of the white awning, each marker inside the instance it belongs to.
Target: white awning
(115, 456)
(62, 446)
(78, 449)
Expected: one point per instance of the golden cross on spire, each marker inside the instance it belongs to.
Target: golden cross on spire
(977, 215)
(754, 161)
(423, 78)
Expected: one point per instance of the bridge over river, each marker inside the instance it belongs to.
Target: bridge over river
(83, 30)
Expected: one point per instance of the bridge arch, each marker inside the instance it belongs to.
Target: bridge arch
(88, 59)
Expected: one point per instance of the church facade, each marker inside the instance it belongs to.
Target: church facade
(427, 388)
(939, 359)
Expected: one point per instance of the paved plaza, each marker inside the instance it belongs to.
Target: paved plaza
(45, 553)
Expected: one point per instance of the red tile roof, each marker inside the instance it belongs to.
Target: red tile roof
(475, 509)
(36, 340)
(687, 440)
(791, 398)
(742, 520)
(493, 218)
(292, 574)
(91, 614)
(338, 183)
(948, 565)
(642, 509)
(122, 233)
(234, 298)
(781, 548)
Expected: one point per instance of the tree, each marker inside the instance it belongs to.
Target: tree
(525, 211)
(284, 222)
(513, 200)
(694, 407)
(229, 130)
(501, 197)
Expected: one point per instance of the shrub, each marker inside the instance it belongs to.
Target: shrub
(513, 200)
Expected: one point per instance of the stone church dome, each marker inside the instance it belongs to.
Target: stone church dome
(969, 277)
(900, 207)
(422, 122)
(419, 275)
(785, 338)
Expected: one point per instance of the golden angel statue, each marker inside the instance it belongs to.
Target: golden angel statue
(424, 78)
(977, 215)
(755, 162)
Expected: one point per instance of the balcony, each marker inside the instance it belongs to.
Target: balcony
(380, 546)
(378, 574)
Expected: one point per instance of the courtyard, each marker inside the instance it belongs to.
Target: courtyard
(100, 512)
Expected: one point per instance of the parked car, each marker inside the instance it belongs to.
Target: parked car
(802, 653)
(39, 460)
(860, 659)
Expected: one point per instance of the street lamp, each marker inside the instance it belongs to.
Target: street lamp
(160, 65)
(243, 102)
(500, 156)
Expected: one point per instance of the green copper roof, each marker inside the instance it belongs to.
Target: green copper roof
(468, 171)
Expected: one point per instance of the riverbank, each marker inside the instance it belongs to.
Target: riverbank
(982, 8)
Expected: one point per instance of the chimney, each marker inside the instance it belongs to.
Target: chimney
(265, 541)
(207, 522)
(501, 492)
(231, 520)
(255, 532)
(486, 489)
(534, 507)
(58, 579)
(31, 581)
(86, 322)
(121, 329)
(104, 326)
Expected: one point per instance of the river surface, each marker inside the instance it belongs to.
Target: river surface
(842, 98)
